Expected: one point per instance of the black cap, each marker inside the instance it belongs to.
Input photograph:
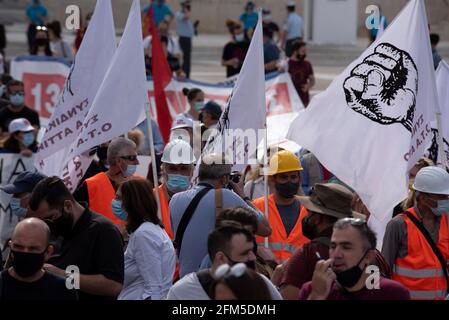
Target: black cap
(214, 108)
(25, 182)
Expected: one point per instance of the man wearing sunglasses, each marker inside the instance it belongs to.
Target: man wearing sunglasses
(99, 190)
(348, 274)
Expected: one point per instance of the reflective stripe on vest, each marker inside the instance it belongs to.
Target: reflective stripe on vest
(431, 295)
(282, 246)
(418, 273)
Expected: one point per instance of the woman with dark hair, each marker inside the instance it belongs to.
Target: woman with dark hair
(41, 43)
(59, 47)
(239, 283)
(150, 256)
(195, 98)
(21, 138)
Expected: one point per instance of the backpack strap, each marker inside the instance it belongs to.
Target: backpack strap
(187, 216)
(218, 201)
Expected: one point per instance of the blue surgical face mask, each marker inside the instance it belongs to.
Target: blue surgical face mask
(28, 139)
(240, 37)
(17, 100)
(130, 170)
(118, 210)
(2, 90)
(17, 209)
(199, 105)
(177, 183)
(442, 208)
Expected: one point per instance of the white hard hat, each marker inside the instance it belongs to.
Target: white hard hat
(178, 152)
(20, 124)
(182, 122)
(432, 180)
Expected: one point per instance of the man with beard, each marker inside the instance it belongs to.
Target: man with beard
(91, 242)
(301, 71)
(285, 211)
(348, 274)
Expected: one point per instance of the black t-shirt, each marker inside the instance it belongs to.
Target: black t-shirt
(235, 50)
(272, 26)
(49, 287)
(95, 246)
(6, 116)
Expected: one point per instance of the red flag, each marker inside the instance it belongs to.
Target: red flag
(162, 76)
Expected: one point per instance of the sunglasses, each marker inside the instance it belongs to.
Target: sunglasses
(129, 158)
(41, 28)
(354, 221)
(224, 271)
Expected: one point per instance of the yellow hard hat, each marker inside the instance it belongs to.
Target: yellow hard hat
(284, 161)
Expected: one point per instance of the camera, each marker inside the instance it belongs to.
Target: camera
(235, 177)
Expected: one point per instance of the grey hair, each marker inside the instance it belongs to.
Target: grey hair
(368, 236)
(117, 146)
(213, 171)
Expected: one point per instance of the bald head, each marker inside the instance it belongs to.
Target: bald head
(30, 235)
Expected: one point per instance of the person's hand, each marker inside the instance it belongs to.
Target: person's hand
(26, 153)
(322, 280)
(305, 88)
(278, 273)
(235, 62)
(238, 187)
(51, 268)
(384, 86)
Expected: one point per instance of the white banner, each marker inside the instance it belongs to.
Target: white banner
(442, 78)
(11, 165)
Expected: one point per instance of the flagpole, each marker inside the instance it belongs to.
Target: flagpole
(441, 143)
(265, 174)
(153, 158)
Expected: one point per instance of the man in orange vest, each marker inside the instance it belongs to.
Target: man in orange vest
(285, 211)
(99, 190)
(416, 243)
(177, 169)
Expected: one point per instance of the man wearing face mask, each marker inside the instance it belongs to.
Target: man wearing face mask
(177, 169)
(416, 242)
(348, 274)
(15, 93)
(285, 211)
(26, 279)
(99, 190)
(234, 52)
(90, 241)
(328, 203)
(201, 204)
(301, 71)
(230, 244)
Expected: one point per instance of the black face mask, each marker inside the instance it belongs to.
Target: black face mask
(61, 226)
(350, 277)
(287, 190)
(308, 229)
(41, 42)
(27, 264)
(249, 264)
(301, 57)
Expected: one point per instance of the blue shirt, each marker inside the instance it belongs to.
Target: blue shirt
(159, 12)
(184, 28)
(35, 13)
(194, 243)
(294, 26)
(157, 137)
(271, 52)
(249, 20)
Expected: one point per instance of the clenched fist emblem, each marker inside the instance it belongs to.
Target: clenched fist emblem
(384, 86)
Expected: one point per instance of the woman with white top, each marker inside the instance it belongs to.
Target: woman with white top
(150, 259)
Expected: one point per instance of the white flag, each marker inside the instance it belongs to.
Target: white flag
(373, 122)
(239, 128)
(442, 79)
(86, 75)
(119, 103)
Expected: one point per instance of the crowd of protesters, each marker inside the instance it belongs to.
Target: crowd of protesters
(212, 239)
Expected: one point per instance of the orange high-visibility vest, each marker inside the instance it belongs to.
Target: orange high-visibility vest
(165, 211)
(283, 246)
(101, 193)
(420, 271)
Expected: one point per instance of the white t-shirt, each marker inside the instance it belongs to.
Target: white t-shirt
(189, 288)
(172, 47)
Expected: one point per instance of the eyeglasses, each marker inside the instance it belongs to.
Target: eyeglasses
(224, 271)
(41, 28)
(129, 158)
